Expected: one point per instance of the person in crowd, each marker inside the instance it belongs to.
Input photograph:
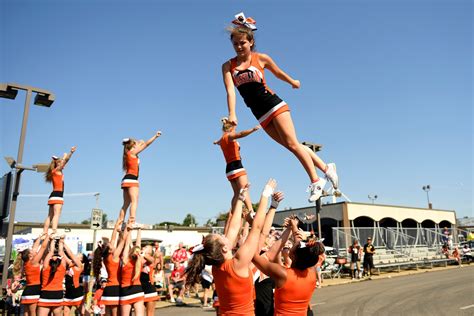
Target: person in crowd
(355, 253)
(108, 255)
(180, 256)
(159, 277)
(470, 239)
(319, 278)
(235, 172)
(368, 263)
(206, 282)
(52, 277)
(28, 263)
(146, 280)
(232, 272)
(56, 201)
(445, 251)
(246, 73)
(13, 298)
(456, 255)
(74, 294)
(466, 253)
(98, 307)
(177, 281)
(131, 291)
(130, 184)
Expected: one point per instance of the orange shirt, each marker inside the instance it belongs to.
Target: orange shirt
(32, 274)
(113, 269)
(230, 148)
(132, 164)
(236, 294)
(128, 272)
(56, 283)
(58, 180)
(294, 296)
(75, 277)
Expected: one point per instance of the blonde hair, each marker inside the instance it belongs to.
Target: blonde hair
(135, 254)
(127, 146)
(48, 176)
(226, 124)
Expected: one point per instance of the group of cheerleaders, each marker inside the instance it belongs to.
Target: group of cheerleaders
(236, 257)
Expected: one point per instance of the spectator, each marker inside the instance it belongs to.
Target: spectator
(319, 278)
(450, 240)
(369, 251)
(180, 255)
(444, 238)
(355, 252)
(98, 308)
(159, 276)
(470, 239)
(457, 256)
(445, 250)
(14, 291)
(466, 253)
(177, 280)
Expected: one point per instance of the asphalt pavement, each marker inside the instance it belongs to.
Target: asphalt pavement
(445, 292)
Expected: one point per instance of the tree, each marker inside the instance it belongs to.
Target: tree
(86, 221)
(104, 219)
(189, 220)
(210, 222)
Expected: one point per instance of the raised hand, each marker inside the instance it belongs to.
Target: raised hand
(277, 197)
(295, 84)
(243, 192)
(269, 187)
(73, 149)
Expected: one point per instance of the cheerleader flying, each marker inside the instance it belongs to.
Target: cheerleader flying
(246, 73)
(56, 201)
(130, 184)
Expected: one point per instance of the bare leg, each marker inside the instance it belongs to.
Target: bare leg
(125, 309)
(30, 309)
(111, 310)
(57, 212)
(43, 311)
(237, 184)
(47, 221)
(133, 194)
(318, 162)
(170, 290)
(125, 205)
(67, 310)
(150, 308)
(281, 129)
(139, 308)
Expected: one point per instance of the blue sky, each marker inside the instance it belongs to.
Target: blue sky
(386, 87)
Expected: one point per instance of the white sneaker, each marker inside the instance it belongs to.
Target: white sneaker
(137, 226)
(331, 175)
(172, 300)
(316, 190)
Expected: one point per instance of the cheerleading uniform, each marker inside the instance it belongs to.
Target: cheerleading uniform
(236, 293)
(148, 288)
(130, 290)
(264, 104)
(131, 176)
(52, 289)
(111, 295)
(56, 197)
(32, 291)
(294, 296)
(74, 290)
(231, 150)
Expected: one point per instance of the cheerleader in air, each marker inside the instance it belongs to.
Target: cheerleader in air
(246, 73)
(234, 170)
(56, 201)
(130, 164)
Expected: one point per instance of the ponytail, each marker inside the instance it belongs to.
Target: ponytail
(127, 146)
(99, 255)
(138, 262)
(48, 176)
(194, 269)
(53, 265)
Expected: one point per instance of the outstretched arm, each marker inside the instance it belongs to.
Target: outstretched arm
(280, 74)
(66, 158)
(74, 259)
(121, 244)
(277, 197)
(245, 253)
(142, 145)
(276, 248)
(40, 253)
(244, 133)
(126, 248)
(230, 89)
(234, 221)
(138, 242)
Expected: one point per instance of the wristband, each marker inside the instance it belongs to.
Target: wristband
(274, 204)
(242, 194)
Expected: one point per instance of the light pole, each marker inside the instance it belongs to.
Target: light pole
(42, 98)
(427, 189)
(315, 148)
(372, 198)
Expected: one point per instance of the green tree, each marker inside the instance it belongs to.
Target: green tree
(189, 220)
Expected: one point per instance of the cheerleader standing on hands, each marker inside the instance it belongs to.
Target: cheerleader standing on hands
(246, 73)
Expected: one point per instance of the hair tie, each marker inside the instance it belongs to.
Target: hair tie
(125, 140)
(225, 119)
(55, 157)
(241, 20)
(198, 248)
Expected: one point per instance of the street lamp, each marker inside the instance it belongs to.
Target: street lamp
(427, 189)
(42, 98)
(372, 198)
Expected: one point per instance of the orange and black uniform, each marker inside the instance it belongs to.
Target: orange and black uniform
(131, 175)
(231, 151)
(74, 290)
(111, 295)
(130, 290)
(236, 294)
(56, 197)
(148, 288)
(294, 296)
(52, 288)
(264, 104)
(31, 294)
